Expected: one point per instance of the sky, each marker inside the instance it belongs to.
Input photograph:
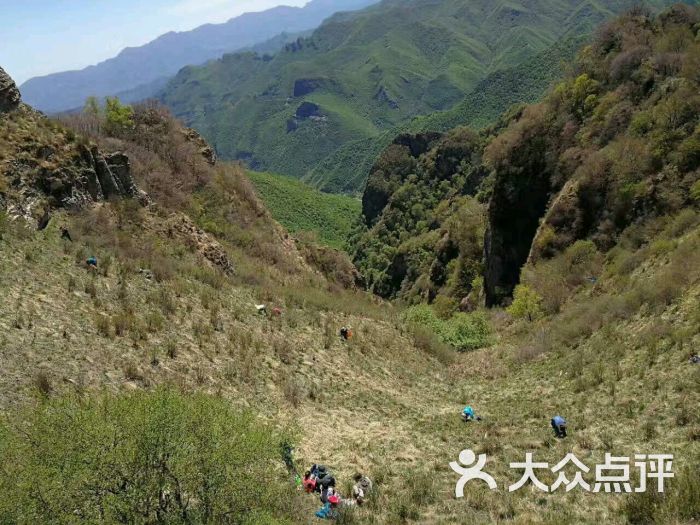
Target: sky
(47, 36)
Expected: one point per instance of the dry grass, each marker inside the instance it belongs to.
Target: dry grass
(387, 403)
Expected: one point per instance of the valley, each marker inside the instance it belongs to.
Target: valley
(323, 255)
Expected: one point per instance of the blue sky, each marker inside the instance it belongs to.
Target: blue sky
(46, 36)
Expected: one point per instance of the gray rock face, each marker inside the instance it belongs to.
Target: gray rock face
(9, 94)
(106, 176)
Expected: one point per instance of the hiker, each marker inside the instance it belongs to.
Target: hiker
(694, 359)
(288, 457)
(65, 234)
(330, 506)
(317, 479)
(468, 414)
(361, 488)
(276, 311)
(309, 483)
(43, 221)
(261, 308)
(326, 486)
(92, 263)
(559, 426)
(345, 333)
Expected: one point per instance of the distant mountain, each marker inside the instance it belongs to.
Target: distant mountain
(144, 91)
(347, 168)
(363, 73)
(141, 71)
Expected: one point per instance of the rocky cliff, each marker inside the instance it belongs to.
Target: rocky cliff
(9, 94)
(44, 166)
(615, 146)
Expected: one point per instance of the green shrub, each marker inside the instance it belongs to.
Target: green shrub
(423, 315)
(527, 303)
(119, 117)
(445, 306)
(681, 223)
(695, 191)
(467, 331)
(462, 331)
(425, 339)
(146, 457)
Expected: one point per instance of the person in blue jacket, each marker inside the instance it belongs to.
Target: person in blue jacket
(468, 414)
(559, 426)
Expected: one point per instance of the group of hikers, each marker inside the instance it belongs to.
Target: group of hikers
(558, 423)
(319, 480)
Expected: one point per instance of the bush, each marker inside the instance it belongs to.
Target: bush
(680, 503)
(462, 331)
(467, 331)
(527, 304)
(695, 191)
(445, 306)
(146, 457)
(119, 118)
(425, 339)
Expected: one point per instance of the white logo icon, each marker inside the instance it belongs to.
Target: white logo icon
(466, 458)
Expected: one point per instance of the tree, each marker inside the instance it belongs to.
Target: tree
(145, 457)
(92, 107)
(527, 303)
(119, 117)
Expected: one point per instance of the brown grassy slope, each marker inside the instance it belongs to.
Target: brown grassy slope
(612, 359)
(377, 404)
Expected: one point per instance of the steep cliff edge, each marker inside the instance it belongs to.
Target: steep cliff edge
(615, 145)
(44, 166)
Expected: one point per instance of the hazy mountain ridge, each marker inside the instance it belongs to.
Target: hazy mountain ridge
(366, 73)
(144, 68)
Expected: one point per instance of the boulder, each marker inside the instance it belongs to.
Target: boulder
(205, 150)
(469, 303)
(9, 94)
(307, 110)
(304, 86)
(119, 166)
(180, 225)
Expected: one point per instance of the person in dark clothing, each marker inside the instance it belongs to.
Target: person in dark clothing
(559, 426)
(65, 234)
(44, 220)
(288, 456)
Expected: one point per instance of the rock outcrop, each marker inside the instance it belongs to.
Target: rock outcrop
(45, 166)
(205, 150)
(307, 110)
(519, 199)
(304, 86)
(181, 226)
(9, 94)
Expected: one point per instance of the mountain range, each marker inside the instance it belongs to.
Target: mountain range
(366, 72)
(157, 323)
(138, 72)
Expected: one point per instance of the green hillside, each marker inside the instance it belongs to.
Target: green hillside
(611, 153)
(301, 208)
(364, 73)
(346, 170)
